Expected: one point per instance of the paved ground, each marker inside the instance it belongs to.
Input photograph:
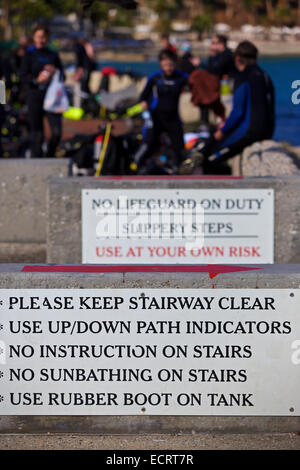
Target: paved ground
(152, 442)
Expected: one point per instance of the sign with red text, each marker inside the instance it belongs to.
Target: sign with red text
(169, 226)
(150, 352)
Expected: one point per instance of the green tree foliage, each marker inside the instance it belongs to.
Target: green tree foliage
(19, 15)
(166, 11)
(202, 23)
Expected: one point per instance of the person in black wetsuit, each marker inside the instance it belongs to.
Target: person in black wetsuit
(187, 62)
(85, 63)
(221, 60)
(220, 63)
(37, 69)
(17, 55)
(161, 98)
(252, 118)
(17, 89)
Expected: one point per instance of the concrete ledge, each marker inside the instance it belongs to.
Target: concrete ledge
(64, 209)
(23, 252)
(13, 276)
(155, 442)
(146, 424)
(276, 276)
(23, 184)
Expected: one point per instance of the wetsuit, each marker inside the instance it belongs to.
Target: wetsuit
(185, 65)
(33, 63)
(162, 94)
(221, 64)
(18, 91)
(252, 118)
(87, 64)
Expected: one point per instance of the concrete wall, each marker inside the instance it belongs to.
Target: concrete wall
(271, 277)
(64, 209)
(23, 217)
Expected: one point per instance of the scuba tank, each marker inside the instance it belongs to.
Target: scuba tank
(225, 86)
(226, 93)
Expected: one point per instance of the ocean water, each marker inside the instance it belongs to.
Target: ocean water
(283, 71)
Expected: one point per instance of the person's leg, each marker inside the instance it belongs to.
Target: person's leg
(215, 152)
(204, 114)
(85, 81)
(55, 122)
(219, 153)
(151, 137)
(36, 125)
(174, 130)
(104, 84)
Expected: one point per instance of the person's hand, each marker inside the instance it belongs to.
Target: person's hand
(144, 105)
(50, 68)
(78, 74)
(221, 124)
(218, 135)
(43, 77)
(196, 61)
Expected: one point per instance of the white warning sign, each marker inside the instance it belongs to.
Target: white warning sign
(150, 352)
